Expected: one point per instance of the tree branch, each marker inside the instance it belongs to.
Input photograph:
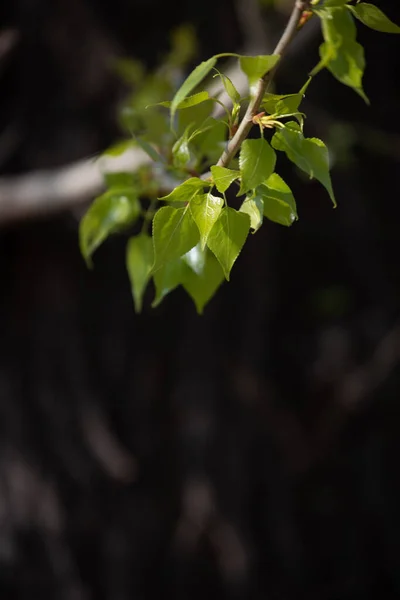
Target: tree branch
(254, 105)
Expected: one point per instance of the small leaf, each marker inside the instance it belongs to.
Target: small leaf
(254, 207)
(347, 64)
(223, 177)
(340, 52)
(278, 201)
(374, 18)
(186, 190)
(309, 154)
(205, 210)
(227, 237)
(256, 67)
(257, 162)
(186, 103)
(275, 187)
(282, 105)
(230, 88)
(195, 77)
(201, 284)
(174, 234)
(139, 259)
(111, 212)
(167, 278)
(180, 151)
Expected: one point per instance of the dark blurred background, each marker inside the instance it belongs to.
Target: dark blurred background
(248, 454)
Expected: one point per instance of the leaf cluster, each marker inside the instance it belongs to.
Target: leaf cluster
(196, 236)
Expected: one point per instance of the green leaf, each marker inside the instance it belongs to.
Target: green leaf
(340, 52)
(228, 236)
(174, 234)
(212, 143)
(202, 283)
(347, 64)
(257, 162)
(254, 207)
(205, 210)
(282, 105)
(187, 102)
(374, 18)
(256, 67)
(139, 259)
(110, 212)
(186, 190)
(194, 117)
(229, 88)
(223, 177)
(180, 150)
(167, 278)
(195, 77)
(308, 154)
(278, 201)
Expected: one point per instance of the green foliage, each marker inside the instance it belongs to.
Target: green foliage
(174, 234)
(139, 260)
(257, 162)
(256, 67)
(113, 211)
(374, 18)
(308, 154)
(228, 236)
(205, 210)
(196, 237)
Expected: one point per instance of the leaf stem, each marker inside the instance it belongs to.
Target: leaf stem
(254, 105)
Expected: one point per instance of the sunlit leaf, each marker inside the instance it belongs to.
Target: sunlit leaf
(256, 67)
(205, 209)
(202, 283)
(186, 190)
(110, 212)
(278, 201)
(227, 237)
(174, 234)
(257, 162)
(139, 259)
(181, 151)
(373, 17)
(230, 88)
(281, 105)
(309, 154)
(340, 52)
(254, 207)
(223, 177)
(186, 102)
(193, 80)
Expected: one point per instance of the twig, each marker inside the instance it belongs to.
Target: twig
(254, 105)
